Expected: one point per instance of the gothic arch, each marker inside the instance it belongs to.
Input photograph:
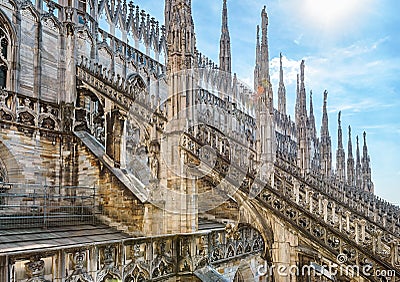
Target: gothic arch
(89, 113)
(7, 52)
(248, 215)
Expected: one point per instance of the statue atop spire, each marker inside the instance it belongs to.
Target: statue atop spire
(225, 42)
(281, 90)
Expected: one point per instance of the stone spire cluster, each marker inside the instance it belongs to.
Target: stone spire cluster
(312, 153)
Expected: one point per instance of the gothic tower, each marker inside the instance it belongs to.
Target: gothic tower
(225, 43)
(180, 210)
(264, 109)
(326, 147)
(350, 162)
(340, 155)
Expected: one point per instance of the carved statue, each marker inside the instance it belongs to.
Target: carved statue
(154, 165)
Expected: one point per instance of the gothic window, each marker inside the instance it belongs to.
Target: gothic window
(4, 57)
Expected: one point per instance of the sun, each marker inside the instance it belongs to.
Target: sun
(332, 15)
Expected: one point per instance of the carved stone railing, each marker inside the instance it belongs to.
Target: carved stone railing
(30, 114)
(131, 99)
(147, 258)
(362, 204)
(336, 230)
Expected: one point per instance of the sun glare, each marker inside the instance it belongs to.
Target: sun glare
(332, 14)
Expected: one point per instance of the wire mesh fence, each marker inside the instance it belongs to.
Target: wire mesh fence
(31, 205)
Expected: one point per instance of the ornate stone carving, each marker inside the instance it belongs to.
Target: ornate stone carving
(109, 270)
(35, 270)
(80, 273)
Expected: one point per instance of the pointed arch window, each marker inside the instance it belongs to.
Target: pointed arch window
(4, 57)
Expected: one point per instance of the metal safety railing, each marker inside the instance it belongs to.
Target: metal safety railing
(34, 205)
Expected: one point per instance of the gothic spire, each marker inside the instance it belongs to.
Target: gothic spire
(367, 184)
(297, 105)
(358, 166)
(301, 106)
(326, 149)
(257, 67)
(281, 90)
(261, 73)
(313, 130)
(180, 36)
(225, 42)
(325, 127)
(264, 46)
(340, 155)
(350, 161)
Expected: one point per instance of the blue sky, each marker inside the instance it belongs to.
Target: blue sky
(350, 47)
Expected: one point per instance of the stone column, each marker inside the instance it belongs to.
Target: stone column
(384, 219)
(333, 212)
(347, 214)
(311, 201)
(356, 230)
(325, 209)
(363, 223)
(296, 188)
(319, 203)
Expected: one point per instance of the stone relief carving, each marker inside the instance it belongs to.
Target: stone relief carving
(35, 270)
(80, 273)
(109, 271)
